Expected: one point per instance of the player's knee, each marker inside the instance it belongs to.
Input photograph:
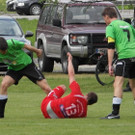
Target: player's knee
(63, 87)
(4, 85)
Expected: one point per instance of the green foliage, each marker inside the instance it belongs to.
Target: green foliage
(2, 6)
(23, 115)
(126, 7)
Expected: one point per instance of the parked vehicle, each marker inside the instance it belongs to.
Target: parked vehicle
(29, 7)
(11, 5)
(10, 29)
(77, 27)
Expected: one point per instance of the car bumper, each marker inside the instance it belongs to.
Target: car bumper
(79, 51)
(11, 7)
(23, 9)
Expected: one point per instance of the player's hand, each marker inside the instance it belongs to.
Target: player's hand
(69, 56)
(39, 52)
(111, 71)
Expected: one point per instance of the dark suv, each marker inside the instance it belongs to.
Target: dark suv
(77, 27)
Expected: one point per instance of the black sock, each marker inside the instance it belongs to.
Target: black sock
(2, 107)
(116, 108)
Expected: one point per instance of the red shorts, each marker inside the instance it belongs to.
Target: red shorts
(54, 94)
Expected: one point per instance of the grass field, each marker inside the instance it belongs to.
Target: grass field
(23, 115)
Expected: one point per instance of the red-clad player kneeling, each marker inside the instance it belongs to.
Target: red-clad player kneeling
(73, 105)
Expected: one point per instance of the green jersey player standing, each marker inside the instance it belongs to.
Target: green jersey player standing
(121, 37)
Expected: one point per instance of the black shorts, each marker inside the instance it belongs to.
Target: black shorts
(29, 71)
(126, 68)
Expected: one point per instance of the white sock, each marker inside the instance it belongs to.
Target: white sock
(117, 100)
(2, 97)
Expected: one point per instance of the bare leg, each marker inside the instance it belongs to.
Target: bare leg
(132, 86)
(44, 86)
(6, 82)
(117, 99)
(118, 86)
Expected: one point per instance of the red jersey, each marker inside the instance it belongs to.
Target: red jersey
(73, 105)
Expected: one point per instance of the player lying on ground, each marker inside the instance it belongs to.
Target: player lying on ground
(73, 105)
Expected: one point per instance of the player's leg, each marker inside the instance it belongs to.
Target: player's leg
(132, 86)
(44, 86)
(36, 76)
(118, 92)
(117, 99)
(122, 71)
(132, 78)
(6, 82)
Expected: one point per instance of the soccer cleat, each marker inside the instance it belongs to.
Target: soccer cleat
(112, 116)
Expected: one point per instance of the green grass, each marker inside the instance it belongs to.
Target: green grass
(29, 25)
(23, 115)
(3, 6)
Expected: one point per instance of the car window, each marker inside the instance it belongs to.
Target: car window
(59, 12)
(52, 12)
(9, 28)
(44, 15)
(85, 14)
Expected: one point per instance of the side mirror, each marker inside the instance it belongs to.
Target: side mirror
(29, 34)
(57, 22)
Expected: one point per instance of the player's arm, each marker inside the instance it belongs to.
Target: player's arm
(71, 73)
(33, 49)
(111, 50)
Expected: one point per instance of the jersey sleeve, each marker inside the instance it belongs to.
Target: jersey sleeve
(75, 88)
(17, 44)
(110, 32)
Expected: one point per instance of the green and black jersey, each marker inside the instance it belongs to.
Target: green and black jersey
(15, 57)
(124, 37)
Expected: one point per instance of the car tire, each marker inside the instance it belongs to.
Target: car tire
(35, 9)
(45, 64)
(64, 61)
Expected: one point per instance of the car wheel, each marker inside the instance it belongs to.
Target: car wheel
(45, 64)
(64, 61)
(35, 9)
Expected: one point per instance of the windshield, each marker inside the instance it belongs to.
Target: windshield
(9, 28)
(85, 14)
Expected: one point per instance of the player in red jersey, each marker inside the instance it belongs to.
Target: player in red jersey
(73, 105)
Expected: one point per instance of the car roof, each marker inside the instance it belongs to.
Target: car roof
(80, 3)
(91, 3)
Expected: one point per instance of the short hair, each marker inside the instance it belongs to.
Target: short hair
(92, 98)
(110, 12)
(3, 44)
